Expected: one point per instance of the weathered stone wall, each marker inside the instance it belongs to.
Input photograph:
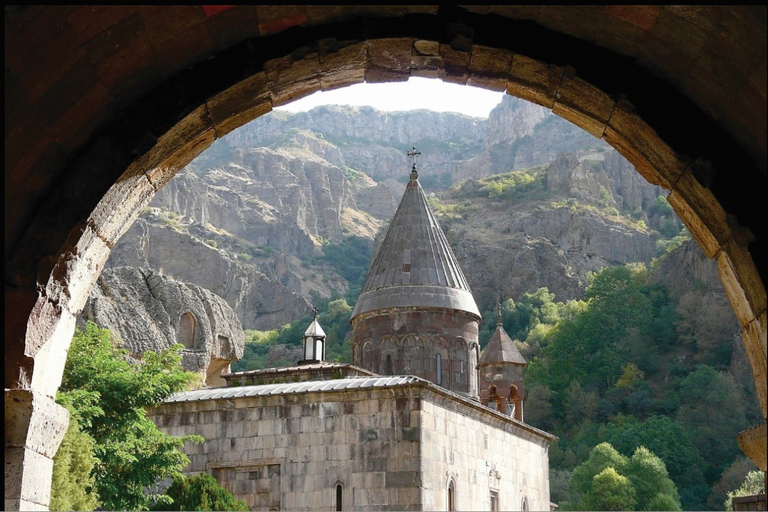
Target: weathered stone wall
(389, 447)
(364, 439)
(412, 339)
(483, 452)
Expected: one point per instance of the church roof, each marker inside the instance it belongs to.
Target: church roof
(293, 387)
(501, 349)
(415, 266)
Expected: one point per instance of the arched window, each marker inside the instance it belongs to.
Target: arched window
(494, 501)
(187, 330)
(389, 365)
(339, 496)
(524, 505)
(451, 495)
(439, 369)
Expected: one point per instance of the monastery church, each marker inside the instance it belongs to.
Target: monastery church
(420, 421)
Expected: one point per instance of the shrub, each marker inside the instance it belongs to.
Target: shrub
(201, 492)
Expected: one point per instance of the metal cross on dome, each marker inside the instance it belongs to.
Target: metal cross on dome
(413, 154)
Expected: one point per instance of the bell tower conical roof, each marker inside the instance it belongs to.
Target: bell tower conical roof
(415, 266)
(501, 348)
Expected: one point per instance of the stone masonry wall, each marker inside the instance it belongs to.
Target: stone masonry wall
(482, 452)
(412, 339)
(391, 448)
(289, 452)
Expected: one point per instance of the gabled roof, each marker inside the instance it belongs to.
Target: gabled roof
(501, 349)
(415, 266)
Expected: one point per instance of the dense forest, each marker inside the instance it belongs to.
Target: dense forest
(633, 363)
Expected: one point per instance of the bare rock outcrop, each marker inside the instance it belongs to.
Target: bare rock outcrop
(260, 290)
(148, 311)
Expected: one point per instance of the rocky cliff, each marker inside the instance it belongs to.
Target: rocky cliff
(252, 217)
(566, 225)
(147, 311)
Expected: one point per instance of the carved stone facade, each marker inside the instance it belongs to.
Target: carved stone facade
(149, 311)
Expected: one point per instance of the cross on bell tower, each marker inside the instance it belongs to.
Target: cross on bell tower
(413, 154)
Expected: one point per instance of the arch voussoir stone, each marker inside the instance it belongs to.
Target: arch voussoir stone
(583, 104)
(640, 144)
(534, 80)
(87, 174)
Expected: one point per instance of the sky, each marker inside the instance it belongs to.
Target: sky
(416, 93)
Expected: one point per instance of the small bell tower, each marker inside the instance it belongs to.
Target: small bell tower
(500, 370)
(314, 342)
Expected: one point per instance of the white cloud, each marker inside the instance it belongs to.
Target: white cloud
(416, 93)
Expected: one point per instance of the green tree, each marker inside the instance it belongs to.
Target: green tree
(650, 479)
(671, 442)
(731, 479)
(713, 408)
(200, 492)
(601, 457)
(592, 345)
(608, 480)
(73, 484)
(610, 491)
(754, 483)
(111, 396)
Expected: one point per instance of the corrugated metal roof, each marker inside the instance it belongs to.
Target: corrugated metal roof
(415, 265)
(293, 388)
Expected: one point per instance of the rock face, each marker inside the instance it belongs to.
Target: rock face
(149, 311)
(254, 289)
(553, 242)
(249, 218)
(686, 268)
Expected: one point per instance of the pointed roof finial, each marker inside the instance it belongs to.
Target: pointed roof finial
(498, 314)
(314, 312)
(413, 154)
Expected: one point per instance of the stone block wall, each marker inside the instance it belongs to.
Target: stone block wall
(288, 452)
(390, 448)
(412, 339)
(483, 452)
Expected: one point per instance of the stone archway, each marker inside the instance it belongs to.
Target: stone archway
(91, 135)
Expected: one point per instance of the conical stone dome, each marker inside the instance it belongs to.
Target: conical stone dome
(415, 266)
